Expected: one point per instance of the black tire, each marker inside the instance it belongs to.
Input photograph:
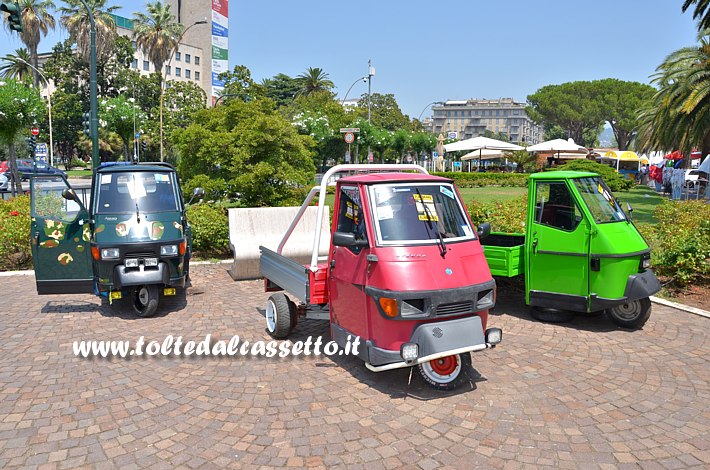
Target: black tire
(551, 315)
(632, 314)
(447, 373)
(145, 300)
(278, 316)
(294, 313)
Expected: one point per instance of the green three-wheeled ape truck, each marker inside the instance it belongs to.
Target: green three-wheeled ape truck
(132, 241)
(580, 252)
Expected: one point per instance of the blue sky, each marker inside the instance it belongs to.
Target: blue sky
(426, 51)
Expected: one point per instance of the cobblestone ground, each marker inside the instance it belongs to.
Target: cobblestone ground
(579, 395)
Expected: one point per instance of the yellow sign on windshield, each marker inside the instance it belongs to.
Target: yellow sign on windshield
(425, 207)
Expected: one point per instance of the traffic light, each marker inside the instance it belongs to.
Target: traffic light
(144, 146)
(32, 142)
(86, 124)
(15, 18)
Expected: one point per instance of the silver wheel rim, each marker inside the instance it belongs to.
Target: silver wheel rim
(628, 310)
(270, 316)
(439, 378)
(143, 296)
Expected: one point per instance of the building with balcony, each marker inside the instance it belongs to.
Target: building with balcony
(471, 118)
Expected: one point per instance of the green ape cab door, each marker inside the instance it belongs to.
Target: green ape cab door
(60, 235)
(556, 246)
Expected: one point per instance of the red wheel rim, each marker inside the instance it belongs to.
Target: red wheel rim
(444, 365)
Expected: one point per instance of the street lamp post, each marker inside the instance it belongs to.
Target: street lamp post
(49, 108)
(364, 79)
(162, 84)
(370, 74)
(92, 92)
(425, 108)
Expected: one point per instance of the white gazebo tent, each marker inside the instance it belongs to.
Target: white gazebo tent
(479, 144)
(560, 148)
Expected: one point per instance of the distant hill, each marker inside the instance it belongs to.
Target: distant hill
(606, 138)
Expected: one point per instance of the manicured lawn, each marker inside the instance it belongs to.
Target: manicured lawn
(491, 193)
(643, 201)
(76, 173)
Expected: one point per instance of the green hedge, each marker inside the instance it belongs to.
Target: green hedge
(680, 241)
(15, 252)
(508, 216)
(477, 180)
(210, 229)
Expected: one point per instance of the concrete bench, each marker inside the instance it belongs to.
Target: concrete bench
(254, 226)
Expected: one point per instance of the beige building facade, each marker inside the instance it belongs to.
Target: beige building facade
(212, 38)
(471, 118)
(187, 64)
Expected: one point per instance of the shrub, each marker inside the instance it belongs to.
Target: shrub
(210, 229)
(15, 252)
(215, 188)
(681, 241)
(508, 216)
(473, 180)
(614, 180)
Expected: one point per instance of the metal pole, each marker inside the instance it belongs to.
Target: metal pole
(369, 92)
(94, 126)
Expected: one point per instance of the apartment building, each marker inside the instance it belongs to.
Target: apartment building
(471, 118)
(187, 64)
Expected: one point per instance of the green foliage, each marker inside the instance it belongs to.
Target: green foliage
(619, 104)
(571, 106)
(681, 241)
(20, 107)
(238, 85)
(215, 188)
(281, 88)
(472, 180)
(677, 115)
(507, 216)
(210, 229)
(384, 112)
(121, 115)
(15, 252)
(614, 180)
(252, 148)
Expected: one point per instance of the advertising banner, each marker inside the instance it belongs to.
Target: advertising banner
(220, 44)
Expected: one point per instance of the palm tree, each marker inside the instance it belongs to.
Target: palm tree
(76, 19)
(678, 116)
(314, 79)
(16, 65)
(701, 11)
(157, 34)
(36, 21)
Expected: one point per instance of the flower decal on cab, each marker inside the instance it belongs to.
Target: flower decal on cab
(121, 230)
(65, 258)
(157, 229)
(54, 229)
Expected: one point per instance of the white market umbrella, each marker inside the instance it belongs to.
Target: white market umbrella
(558, 146)
(480, 144)
(484, 155)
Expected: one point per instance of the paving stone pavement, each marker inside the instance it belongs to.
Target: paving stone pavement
(584, 394)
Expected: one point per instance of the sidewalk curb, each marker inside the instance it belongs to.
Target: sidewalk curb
(685, 308)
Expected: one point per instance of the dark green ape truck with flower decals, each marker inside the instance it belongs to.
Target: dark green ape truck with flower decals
(130, 241)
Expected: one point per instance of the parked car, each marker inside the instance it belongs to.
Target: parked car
(4, 182)
(29, 167)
